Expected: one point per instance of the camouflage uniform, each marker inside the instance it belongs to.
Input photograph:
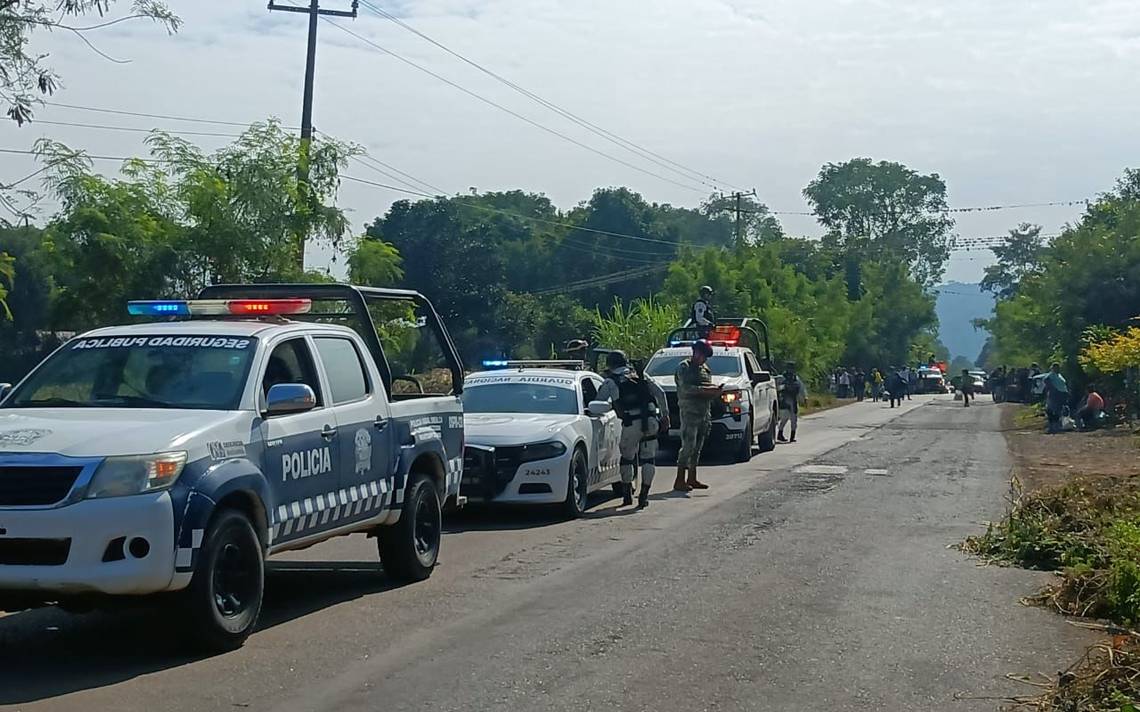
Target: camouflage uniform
(695, 411)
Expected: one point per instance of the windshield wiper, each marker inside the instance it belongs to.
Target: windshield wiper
(135, 401)
(52, 403)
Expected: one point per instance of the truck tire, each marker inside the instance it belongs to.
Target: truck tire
(577, 486)
(225, 594)
(768, 437)
(744, 452)
(409, 549)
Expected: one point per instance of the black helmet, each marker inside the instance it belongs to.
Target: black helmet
(706, 291)
(616, 359)
(702, 346)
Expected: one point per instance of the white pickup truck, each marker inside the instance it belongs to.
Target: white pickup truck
(176, 455)
(747, 413)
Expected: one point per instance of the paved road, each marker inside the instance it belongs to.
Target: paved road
(814, 577)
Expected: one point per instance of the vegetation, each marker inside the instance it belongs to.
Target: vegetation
(24, 74)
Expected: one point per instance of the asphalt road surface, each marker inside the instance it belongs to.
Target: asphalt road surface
(815, 577)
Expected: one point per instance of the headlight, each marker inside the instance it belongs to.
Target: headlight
(119, 476)
(542, 451)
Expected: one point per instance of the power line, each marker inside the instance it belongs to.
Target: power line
(132, 129)
(601, 281)
(144, 115)
(639, 151)
(513, 113)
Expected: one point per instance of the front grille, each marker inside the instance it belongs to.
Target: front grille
(34, 552)
(487, 473)
(29, 486)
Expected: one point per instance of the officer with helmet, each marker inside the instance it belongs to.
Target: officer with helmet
(702, 313)
(641, 406)
(695, 394)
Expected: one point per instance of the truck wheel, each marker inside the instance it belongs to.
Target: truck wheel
(409, 549)
(768, 437)
(224, 596)
(577, 486)
(744, 452)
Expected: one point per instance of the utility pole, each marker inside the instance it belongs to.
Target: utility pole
(740, 213)
(315, 13)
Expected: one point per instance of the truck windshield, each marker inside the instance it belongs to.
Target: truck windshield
(520, 398)
(188, 372)
(719, 365)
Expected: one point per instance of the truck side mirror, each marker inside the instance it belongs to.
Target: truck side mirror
(5, 389)
(287, 398)
(598, 408)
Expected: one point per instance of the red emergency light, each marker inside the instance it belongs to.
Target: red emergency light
(724, 336)
(268, 307)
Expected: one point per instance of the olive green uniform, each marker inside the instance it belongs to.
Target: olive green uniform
(695, 410)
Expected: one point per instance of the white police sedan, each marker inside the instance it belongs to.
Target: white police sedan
(535, 435)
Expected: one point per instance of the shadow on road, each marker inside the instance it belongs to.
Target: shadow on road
(45, 653)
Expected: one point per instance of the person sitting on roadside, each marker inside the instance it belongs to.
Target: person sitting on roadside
(1091, 409)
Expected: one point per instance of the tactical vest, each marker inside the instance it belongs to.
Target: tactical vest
(634, 400)
(791, 390)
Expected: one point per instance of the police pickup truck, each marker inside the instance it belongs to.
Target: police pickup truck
(747, 411)
(174, 456)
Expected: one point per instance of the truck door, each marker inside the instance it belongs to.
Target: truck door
(762, 394)
(301, 457)
(364, 433)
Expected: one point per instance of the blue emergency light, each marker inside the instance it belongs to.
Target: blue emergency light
(496, 364)
(158, 308)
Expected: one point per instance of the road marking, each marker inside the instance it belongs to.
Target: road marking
(822, 470)
(880, 473)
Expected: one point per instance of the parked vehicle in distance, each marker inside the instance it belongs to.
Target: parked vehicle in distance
(932, 380)
(175, 456)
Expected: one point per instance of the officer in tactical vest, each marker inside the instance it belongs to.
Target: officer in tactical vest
(640, 405)
(793, 394)
(702, 312)
(695, 394)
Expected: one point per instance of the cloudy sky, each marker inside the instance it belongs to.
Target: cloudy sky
(1011, 101)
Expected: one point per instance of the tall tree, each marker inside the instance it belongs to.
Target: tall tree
(24, 73)
(758, 224)
(884, 211)
(1018, 258)
(7, 275)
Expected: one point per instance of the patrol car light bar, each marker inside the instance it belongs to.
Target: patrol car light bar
(717, 336)
(219, 307)
(569, 364)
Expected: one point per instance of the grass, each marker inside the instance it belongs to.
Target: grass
(825, 401)
(1087, 530)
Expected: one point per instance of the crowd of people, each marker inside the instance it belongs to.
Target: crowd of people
(1063, 409)
(893, 384)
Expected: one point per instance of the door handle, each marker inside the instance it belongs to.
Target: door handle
(380, 423)
(328, 432)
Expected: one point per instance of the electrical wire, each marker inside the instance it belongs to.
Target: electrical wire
(145, 115)
(507, 110)
(132, 129)
(639, 151)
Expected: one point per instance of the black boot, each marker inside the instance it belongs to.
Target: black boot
(627, 494)
(643, 498)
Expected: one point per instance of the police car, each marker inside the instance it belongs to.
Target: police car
(747, 411)
(174, 456)
(536, 435)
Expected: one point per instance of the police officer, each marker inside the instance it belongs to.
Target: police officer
(695, 393)
(640, 405)
(702, 313)
(792, 395)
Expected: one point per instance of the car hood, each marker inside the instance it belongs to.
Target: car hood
(669, 383)
(102, 432)
(512, 428)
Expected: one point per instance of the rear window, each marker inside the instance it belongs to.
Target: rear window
(185, 372)
(719, 365)
(345, 370)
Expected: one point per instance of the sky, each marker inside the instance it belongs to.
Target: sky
(1009, 101)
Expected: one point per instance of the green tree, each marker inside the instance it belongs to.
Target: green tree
(1017, 258)
(24, 73)
(375, 263)
(758, 224)
(7, 275)
(883, 211)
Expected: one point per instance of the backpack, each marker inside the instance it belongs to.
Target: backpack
(633, 399)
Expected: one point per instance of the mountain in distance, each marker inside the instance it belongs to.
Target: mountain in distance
(957, 306)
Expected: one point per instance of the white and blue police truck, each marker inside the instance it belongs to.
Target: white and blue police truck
(537, 435)
(173, 456)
